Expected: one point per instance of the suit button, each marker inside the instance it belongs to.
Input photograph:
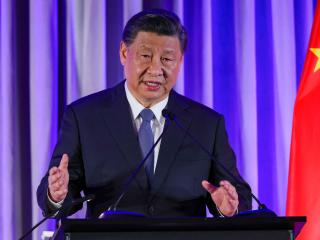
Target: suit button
(151, 209)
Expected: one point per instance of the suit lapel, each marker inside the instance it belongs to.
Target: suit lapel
(117, 116)
(171, 140)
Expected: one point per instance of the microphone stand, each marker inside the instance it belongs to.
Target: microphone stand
(262, 208)
(112, 210)
(62, 208)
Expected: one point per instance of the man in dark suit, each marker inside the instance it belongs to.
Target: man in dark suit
(104, 137)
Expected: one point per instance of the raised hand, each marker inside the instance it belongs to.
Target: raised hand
(58, 180)
(225, 197)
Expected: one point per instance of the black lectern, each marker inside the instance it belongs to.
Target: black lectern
(262, 228)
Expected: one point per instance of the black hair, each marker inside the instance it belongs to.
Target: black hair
(159, 21)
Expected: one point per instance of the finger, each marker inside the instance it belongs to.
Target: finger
(208, 186)
(53, 171)
(226, 184)
(55, 187)
(234, 204)
(54, 175)
(65, 178)
(54, 178)
(231, 190)
(64, 162)
(233, 193)
(60, 183)
(231, 209)
(56, 182)
(60, 180)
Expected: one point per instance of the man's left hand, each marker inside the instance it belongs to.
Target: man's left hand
(225, 197)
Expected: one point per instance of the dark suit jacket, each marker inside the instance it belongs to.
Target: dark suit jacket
(98, 134)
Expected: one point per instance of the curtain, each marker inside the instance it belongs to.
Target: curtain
(244, 59)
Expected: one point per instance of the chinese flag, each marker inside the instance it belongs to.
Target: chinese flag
(303, 197)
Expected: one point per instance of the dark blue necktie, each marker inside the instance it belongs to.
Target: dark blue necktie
(146, 141)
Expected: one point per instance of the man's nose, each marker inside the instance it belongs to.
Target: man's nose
(155, 67)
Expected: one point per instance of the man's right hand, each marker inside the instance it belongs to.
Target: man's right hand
(58, 180)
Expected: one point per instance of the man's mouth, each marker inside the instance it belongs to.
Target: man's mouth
(152, 85)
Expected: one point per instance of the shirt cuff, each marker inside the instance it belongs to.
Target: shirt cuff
(221, 214)
(53, 205)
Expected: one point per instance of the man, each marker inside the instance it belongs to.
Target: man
(105, 136)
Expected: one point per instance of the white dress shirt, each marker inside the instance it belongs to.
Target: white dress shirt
(157, 124)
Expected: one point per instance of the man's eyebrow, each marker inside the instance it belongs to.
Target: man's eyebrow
(149, 48)
(144, 47)
(169, 51)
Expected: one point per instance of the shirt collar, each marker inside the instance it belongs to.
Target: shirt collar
(137, 107)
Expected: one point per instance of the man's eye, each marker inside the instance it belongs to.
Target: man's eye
(146, 56)
(166, 59)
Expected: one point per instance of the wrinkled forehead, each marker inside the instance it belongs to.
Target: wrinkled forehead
(150, 41)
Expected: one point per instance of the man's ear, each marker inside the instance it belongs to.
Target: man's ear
(123, 52)
(181, 59)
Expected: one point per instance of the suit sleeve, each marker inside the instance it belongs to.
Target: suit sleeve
(68, 142)
(223, 153)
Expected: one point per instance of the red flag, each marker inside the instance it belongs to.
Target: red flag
(303, 197)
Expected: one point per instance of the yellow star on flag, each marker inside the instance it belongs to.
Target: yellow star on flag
(316, 51)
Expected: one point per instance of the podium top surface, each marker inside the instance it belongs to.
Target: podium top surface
(183, 224)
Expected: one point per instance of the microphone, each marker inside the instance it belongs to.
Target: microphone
(262, 208)
(62, 208)
(112, 210)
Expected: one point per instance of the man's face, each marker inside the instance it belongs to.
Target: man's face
(151, 66)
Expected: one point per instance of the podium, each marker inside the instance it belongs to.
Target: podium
(262, 228)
